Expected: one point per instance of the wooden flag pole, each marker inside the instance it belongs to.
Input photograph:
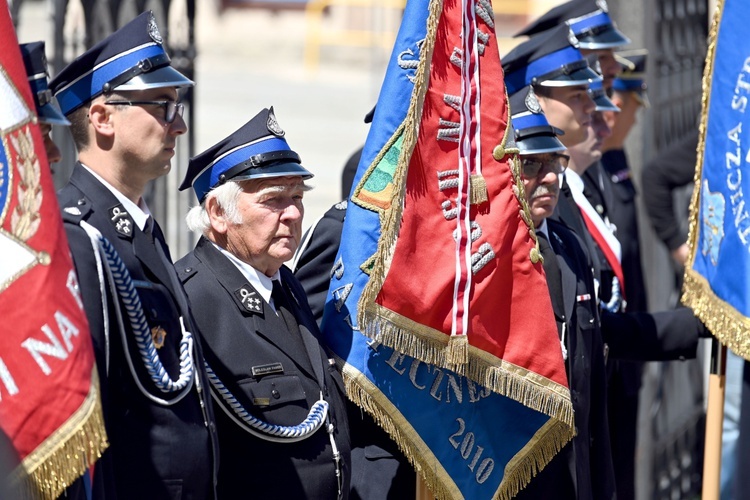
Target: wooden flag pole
(423, 492)
(714, 422)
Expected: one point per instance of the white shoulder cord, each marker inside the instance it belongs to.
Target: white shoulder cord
(122, 287)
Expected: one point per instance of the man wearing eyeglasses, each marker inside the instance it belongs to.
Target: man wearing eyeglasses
(121, 97)
(583, 468)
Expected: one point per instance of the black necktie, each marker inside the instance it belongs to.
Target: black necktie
(148, 228)
(554, 278)
(282, 305)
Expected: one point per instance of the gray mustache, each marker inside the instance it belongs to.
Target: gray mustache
(543, 189)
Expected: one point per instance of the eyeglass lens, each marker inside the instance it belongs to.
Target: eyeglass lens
(532, 167)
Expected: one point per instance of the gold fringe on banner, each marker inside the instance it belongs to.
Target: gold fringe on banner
(478, 193)
(67, 453)
(458, 350)
(528, 388)
(727, 324)
(519, 471)
(724, 321)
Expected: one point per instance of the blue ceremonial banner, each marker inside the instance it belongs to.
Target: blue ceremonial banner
(717, 278)
(438, 311)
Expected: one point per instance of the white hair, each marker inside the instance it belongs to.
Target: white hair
(226, 197)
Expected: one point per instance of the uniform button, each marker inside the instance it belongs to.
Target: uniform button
(188, 269)
(81, 201)
(275, 394)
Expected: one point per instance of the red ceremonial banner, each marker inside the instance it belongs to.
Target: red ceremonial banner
(458, 281)
(49, 398)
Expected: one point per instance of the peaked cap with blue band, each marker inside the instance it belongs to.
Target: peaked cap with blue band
(588, 19)
(533, 133)
(35, 61)
(599, 96)
(257, 150)
(633, 76)
(551, 59)
(131, 58)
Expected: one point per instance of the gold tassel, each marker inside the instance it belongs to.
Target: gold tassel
(478, 190)
(458, 350)
(66, 454)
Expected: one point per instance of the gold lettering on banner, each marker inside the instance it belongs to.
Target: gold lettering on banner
(464, 443)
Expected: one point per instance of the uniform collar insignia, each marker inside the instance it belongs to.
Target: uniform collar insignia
(250, 299)
(122, 221)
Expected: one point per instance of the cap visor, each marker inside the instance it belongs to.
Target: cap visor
(50, 113)
(578, 77)
(642, 98)
(607, 39)
(540, 144)
(604, 104)
(280, 169)
(166, 76)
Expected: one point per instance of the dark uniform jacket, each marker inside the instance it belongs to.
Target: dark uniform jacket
(270, 372)
(673, 168)
(638, 336)
(374, 454)
(610, 191)
(156, 450)
(583, 469)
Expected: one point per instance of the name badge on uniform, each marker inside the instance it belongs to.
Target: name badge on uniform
(249, 299)
(268, 369)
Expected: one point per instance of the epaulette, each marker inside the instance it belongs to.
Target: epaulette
(187, 269)
(77, 212)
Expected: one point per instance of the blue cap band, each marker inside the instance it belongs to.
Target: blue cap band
(209, 178)
(546, 64)
(596, 85)
(38, 85)
(525, 121)
(625, 85)
(590, 22)
(90, 84)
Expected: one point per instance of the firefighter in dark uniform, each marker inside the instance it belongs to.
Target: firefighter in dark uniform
(122, 101)
(583, 469)
(47, 110)
(632, 337)
(282, 420)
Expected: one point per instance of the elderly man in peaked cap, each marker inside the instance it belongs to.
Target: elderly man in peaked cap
(583, 468)
(121, 97)
(47, 110)
(283, 429)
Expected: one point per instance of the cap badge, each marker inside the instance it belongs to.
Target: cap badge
(273, 125)
(153, 30)
(602, 4)
(532, 103)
